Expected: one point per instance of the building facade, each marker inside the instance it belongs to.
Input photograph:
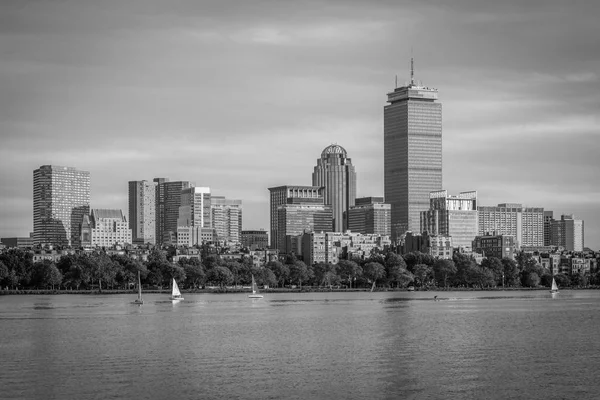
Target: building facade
(142, 211)
(226, 215)
(454, 216)
(370, 215)
(330, 247)
(334, 171)
(525, 224)
(499, 246)
(61, 198)
(168, 201)
(105, 228)
(568, 233)
(255, 240)
(295, 219)
(282, 195)
(195, 216)
(412, 153)
(434, 245)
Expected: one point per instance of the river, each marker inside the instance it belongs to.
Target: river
(394, 345)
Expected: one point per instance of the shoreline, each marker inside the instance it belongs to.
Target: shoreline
(266, 291)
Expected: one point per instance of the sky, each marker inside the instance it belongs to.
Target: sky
(241, 96)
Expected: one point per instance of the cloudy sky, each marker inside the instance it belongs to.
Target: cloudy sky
(241, 96)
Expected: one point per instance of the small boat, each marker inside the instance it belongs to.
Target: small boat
(255, 294)
(139, 299)
(175, 293)
(554, 287)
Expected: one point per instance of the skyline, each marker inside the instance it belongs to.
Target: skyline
(107, 88)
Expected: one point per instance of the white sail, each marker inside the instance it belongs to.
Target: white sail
(176, 292)
(139, 287)
(554, 286)
(255, 294)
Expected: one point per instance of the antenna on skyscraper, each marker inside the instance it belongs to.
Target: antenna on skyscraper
(412, 71)
(396, 85)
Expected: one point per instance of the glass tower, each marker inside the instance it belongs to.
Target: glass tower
(61, 197)
(412, 153)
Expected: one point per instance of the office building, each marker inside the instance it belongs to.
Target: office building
(194, 214)
(525, 224)
(412, 153)
(142, 211)
(370, 215)
(454, 216)
(568, 233)
(226, 215)
(335, 172)
(105, 228)
(18, 242)
(61, 197)
(255, 240)
(499, 246)
(548, 218)
(282, 195)
(168, 201)
(295, 219)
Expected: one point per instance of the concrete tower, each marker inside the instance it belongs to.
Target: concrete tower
(334, 171)
(412, 153)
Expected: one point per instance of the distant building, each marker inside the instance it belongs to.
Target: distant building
(105, 228)
(412, 143)
(295, 219)
(288, 194)
(370, 215)
(454, 216)
(168, 201)
(195, 216)
(255, 240)
(568, 232)
(61, 198)
(227, 220)
(335, 172)
(434, 245)
(18, 242)
(499, 246)
(330, 247)
(548, 218)
(525, 224)
(142, 211)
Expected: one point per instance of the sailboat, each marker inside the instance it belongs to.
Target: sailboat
(139, 299)
(255, 294)
(554, 287)
(175, 293)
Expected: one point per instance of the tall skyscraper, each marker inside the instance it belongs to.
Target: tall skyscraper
(282, 195)
(453, 216)
(548, 218)
(226, 217)
(370, 215)
(142, 211)
(194, 216)
(335, 172)
(61, 197)
(412, 153)
(168, 201)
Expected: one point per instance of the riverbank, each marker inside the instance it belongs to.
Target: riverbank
(274, 290)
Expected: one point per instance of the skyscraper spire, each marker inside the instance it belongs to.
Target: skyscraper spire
(412, 71)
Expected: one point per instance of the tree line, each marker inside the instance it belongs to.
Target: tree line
(386, 269)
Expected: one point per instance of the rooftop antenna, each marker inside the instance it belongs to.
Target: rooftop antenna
(396, 85)
(412, 71)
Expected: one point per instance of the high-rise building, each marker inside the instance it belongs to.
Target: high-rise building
(568, 232)
(335, 172)
(227, 219)
(194, 215)
(282, 194)
(168, 201)
(454, 216)
(105, 228)
(548, 218)
(296, 219)
(142, 211)
(412, 153)
(61, 197)
(370, 215)
(525, 224)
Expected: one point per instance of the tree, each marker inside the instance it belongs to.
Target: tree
(532, 279)
(268, 277)
(349, 271)
(511, 272)
(416, 257)
(374, 272)
(194, 271)
(222, 276)
(423, 274)
(562, 280)
(281, 271)
(299, 272)
(494, 265)
(443, 269)
(395, 268)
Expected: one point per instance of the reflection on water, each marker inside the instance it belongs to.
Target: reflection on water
(462, 345)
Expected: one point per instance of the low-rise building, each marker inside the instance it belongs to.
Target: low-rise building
(492, 245)
(105, 228)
